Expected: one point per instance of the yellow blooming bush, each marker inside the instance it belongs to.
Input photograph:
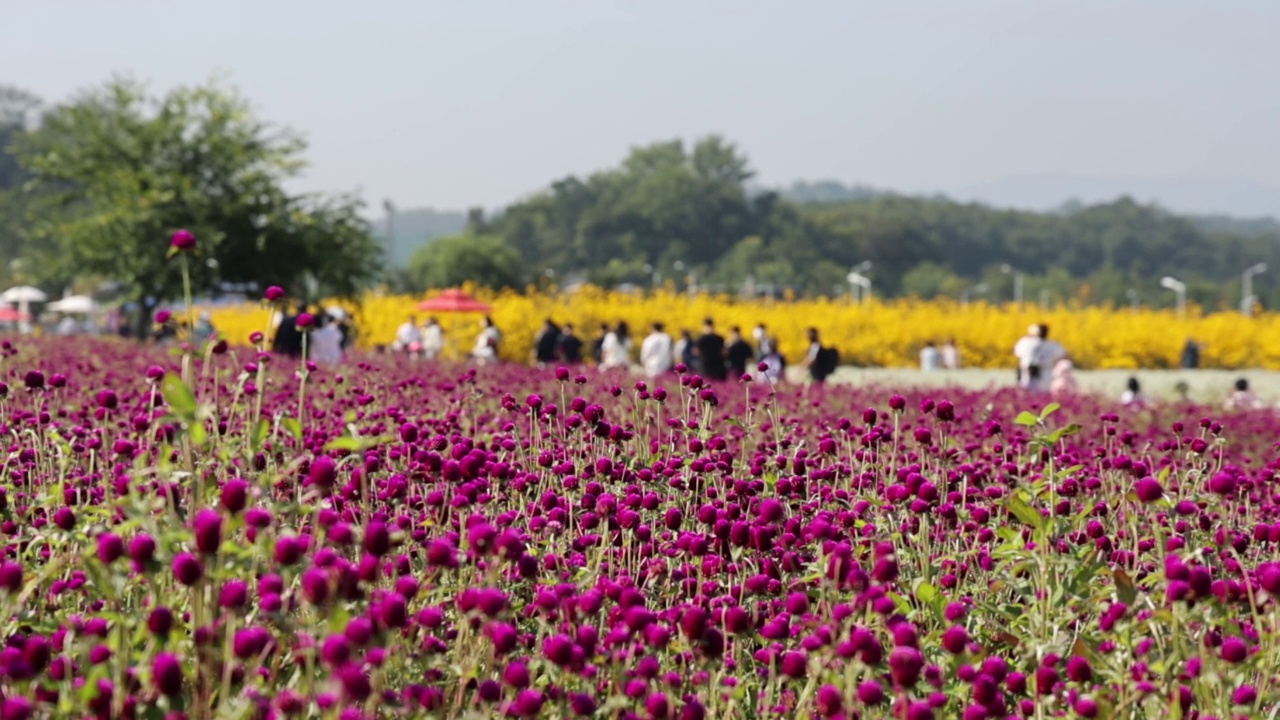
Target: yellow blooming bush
(888, 333)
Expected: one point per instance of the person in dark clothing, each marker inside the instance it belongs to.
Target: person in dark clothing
(739, 352)
(710, 351)
(288, 339)
(1191, 355)
(597, 345)
(569, 346)
(546, 344)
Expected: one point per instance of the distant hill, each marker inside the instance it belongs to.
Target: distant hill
(414, 228)
(1229, 196)
(828, 191)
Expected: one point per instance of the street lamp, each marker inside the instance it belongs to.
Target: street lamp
(1169, 283)
(860, 281)
(1246, 299)
(1017, 282)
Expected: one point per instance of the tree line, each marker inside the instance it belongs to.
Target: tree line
(688, 214)
(91, 190)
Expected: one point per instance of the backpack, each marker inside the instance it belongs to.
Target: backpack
(826, 361)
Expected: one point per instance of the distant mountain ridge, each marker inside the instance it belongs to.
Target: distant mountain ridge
(1235, 206)
(1225, 196)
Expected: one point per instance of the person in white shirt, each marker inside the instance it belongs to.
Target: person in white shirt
(615, 350)
(1037, 355)
(486, 349)
(1243, 398)
(655, 352)
(930, 359)
(325, 343)
(432, 339)
(764, 343)
(950, 355)
(408, 337)
(1132, 394)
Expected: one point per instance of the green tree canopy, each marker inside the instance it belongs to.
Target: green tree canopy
(116, 171)
(450, 261)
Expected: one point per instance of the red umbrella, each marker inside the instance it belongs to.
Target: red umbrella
(8, 314)
(454, 301)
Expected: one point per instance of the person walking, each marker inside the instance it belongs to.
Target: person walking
(930, 358)
(486, 349)
(950, 355)
(710, 352)
(432, 339)
(569, 346)
(685, 351)
(764, 343)
(656, 352)
(738, 352)
(325, 343)
(615, 348)
(1191, 355)
(546, 343)
(819, 361)
(1037, 355)
(408, 338)
(1132, 395)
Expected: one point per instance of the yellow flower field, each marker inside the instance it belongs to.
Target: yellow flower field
(888, 334)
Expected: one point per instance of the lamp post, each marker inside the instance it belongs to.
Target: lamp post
(1169, 283)
(859, 281)
(1017, 282)
(1246, 299)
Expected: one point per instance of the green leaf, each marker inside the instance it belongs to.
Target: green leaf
(926, 593)
(199, 435)
(1049, 409)
(293, 427)
(1125, 589)
(259, 434)
(179, 397)
(1018, 506)
(346, 442)
(1026, 419)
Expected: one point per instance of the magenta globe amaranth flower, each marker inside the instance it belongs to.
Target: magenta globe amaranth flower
(110, 548)
(11, 576)
(166, 673)
(1148, 490)
(305, 321)
(208, 531)
(183, 240)
(274, 293)
(187, 569)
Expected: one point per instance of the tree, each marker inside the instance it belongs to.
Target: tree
(450, 261)
(116, 171)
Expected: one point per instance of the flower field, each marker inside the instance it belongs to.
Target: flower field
(232, 534)
(886, 334)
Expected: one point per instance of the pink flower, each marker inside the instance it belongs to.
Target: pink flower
(183, 240)
(275, 293)
(306, 320)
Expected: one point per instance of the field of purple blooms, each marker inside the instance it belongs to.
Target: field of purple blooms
(232, 535)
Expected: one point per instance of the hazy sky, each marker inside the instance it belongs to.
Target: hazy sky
(467, 102)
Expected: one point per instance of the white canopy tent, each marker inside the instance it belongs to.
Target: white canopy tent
(74, 305)
(23, 296)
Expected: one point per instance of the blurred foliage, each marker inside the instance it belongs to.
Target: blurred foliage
(111, 174)
(876, 334)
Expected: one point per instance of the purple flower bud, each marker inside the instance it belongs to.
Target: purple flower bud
(110, 548)
(208, 531)
(166, 673)
(187, 569)
(183, 240)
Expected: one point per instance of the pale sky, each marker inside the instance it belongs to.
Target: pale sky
(466, 102)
